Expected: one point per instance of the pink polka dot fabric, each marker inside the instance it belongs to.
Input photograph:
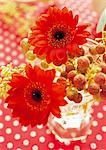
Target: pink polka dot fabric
(16, 137)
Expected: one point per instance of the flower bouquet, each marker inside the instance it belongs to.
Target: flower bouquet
(64, 75)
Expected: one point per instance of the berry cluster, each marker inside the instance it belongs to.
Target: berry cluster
(86, 73)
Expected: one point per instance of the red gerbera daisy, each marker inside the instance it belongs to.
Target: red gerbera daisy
(56, 34)
(34, 96)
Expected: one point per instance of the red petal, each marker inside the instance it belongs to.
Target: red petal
(17, 79)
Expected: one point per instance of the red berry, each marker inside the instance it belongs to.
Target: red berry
(79, 81)
(69, 67)
(62, 80)
(100, 49)
(78, 99)
(71, 75)
(100, 78)
(83, 64)
(92, 50)
(104, 57)
(93, 89)
(64, 74)
(72, 94)
(104, 68)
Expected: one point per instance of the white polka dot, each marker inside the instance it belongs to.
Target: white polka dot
(2, 63)
(1, 125)
(89, 132)
(2, 55)
(1, 112)
(21, 56)
(9, 145)
(1, 46)
(93, 145)
(6, 33)
(17, 136)
(7, 118)
(6, 41)
(14, 53)
(94, 123)
(12, 36)
(24, 129)
(15, 123)
(5, 105)
(60, 149)
(32, 133)
(8, 58)
(51, 145)
(100, 115)
(76, 147)
(1, 38)
(13, 44)
(26, 142)
(8, 130)
(15, 62)
(104, 107)
(7, 49)
(104, 128)
(1, 139)
(39, 126)
(99, 137)
(42, 139)
(35, 147)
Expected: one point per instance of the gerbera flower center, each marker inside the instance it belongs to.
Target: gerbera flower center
(37, 95)
(59, 35)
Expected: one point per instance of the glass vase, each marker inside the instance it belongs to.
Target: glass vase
(75, 120)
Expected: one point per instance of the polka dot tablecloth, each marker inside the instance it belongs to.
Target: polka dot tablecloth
(16, 137)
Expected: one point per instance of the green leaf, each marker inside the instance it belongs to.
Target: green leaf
(102, 22)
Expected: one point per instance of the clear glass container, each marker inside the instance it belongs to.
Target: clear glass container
(75, 121)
